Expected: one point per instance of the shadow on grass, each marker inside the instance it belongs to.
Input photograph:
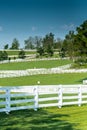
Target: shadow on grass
(81, 81)
(31, 120)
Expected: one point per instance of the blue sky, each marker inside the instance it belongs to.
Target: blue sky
(23, 18)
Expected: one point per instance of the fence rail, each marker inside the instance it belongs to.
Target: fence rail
(34, 97)
(29, 72)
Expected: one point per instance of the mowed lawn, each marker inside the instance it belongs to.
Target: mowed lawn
(53, 118)
(46, 79)
(34, 64)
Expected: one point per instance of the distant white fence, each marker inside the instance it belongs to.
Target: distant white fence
(32, 59)
(36, 71)
(34, 97)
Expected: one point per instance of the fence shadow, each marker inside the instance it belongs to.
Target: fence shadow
(31, 120)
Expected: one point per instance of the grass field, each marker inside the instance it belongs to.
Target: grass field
(53, 118)
(48, 79)
(66, 118)
(34, 64)
(16, 52)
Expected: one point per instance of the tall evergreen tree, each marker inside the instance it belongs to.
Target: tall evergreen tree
(80, 43)
(21, 54)
(29, 43)
(48, 43)
(68, 44)
(15, 44)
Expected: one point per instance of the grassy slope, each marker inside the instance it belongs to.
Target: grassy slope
(44, 79)
(33, 64)
(66, 118)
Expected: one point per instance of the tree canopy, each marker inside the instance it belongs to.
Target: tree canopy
(81, 40)
(15, 44)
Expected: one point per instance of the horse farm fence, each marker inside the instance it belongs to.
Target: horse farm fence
(39, 96)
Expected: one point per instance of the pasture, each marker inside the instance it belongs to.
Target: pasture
(46, 79)
(66, 118)
(33, 64)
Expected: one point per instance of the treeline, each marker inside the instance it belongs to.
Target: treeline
(74, 44)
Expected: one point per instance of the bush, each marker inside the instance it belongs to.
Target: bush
(3, 55)
(22, 54)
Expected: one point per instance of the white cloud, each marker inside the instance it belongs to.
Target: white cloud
(68, 26)
(1, 29)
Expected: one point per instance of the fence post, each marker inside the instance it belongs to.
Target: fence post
(60, 96)
(79, 96)
(7, 100)
(36, 98)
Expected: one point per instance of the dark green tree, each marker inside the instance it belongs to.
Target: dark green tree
(15, 44)
(58, 44)
(48, 44)
(21, 54)
(40, 50)
(68, 45)
(6, 46)
(80, 43)
(3, 55)
(50, 50)
(37, 42)
(29, 43)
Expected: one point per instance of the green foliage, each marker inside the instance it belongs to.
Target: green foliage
(48, 44)
(80, 43)
(3, 55)
(75, 45)
(6, 46)
(33, 42)
(50, 51)
(15, 44)
(40, 50)
(58, 44)
(68, 45)
(62, 52)
(21, 54)
(29, 43)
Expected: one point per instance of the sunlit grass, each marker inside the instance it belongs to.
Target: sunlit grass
(33, 64)
(47, 79)
(16, 52)
(53, 118)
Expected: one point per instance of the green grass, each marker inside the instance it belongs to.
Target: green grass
(48, 79)
(33, 64)
(53, 118)
(16, 52)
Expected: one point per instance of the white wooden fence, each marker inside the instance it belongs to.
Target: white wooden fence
(34, 97)
(29, 72)
(32, 59)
